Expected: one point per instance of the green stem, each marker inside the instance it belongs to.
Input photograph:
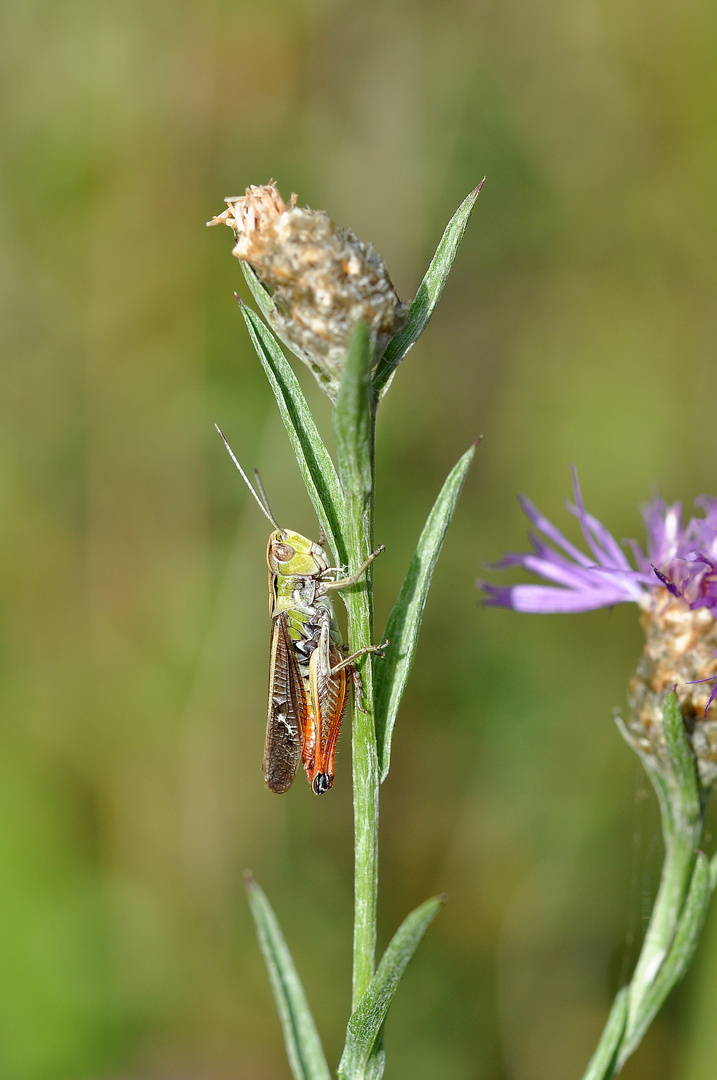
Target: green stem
(622, 1036)
(682, 813)
(675, 922)
(354, 429)
(364, 763)
(680, 853)
(682, 827)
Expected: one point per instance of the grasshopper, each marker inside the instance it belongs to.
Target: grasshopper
(308, 668)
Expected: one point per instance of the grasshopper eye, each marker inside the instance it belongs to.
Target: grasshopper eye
(282, 552)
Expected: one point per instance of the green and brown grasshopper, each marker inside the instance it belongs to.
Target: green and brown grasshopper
(308, 668)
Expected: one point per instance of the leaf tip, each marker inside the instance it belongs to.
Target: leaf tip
(238, 299)
(478, 441)
(249, 882)
(479, 186)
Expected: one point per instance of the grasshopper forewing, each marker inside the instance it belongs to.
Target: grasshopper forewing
(287, 711)
(309, 671)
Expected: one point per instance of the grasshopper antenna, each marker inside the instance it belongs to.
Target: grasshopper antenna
(263, 506)
(262, 493)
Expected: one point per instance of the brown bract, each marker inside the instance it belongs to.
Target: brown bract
(679, 648)
(252, 216)
(321, 279)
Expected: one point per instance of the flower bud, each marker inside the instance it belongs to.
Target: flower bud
(321, 279)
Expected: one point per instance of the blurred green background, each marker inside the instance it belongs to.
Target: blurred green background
(579, 326)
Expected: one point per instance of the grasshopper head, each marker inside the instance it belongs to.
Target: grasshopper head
(293, 555)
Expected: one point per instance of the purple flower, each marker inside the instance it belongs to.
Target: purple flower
(674, 582)
(681, 559)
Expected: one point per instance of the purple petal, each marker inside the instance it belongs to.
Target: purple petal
(541, 599)
(551, 565)
(681, 559)
(548, 529)
(663, 525)
(600, 540)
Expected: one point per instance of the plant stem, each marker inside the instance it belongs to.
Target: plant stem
(616, 1046)
(677, 914)
(354, 429)
(682, 827)
(680, 852)
(359, 601)
(365, 793)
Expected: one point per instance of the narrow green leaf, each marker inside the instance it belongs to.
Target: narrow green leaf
(679, 958)
(604, 1061)
(428, 295)
(362, 1058)
(353, 417)
(314, 460)
(303, 1046)
(257, 290)
(391, 673)
(682, 761)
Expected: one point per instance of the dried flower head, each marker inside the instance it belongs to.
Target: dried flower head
(674, 582)
(321, 279)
